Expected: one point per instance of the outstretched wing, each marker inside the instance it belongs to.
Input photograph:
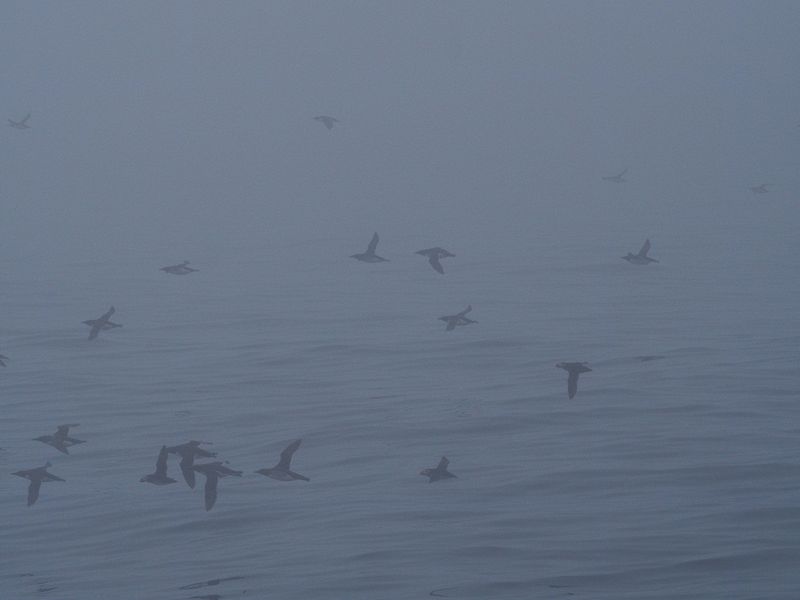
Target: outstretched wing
(211, 489)
(161, 462)
(645, 249)
(451, 323)
(187, 470)
(373, 243)
(623, 172)
(442, 464)
(25, 120)
(465, 311)
(33, 491)
(286, 455)
(437, 266)
(572, 384)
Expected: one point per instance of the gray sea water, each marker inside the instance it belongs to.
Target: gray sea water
(671, 478)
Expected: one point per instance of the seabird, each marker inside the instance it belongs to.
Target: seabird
(181, 269)
(327, 121)
(440, 472)
(574, 369)
(370, 256)
(61, 440)
(616, 178)
(281, 471)
(434, 256)
(20, 124)
(188, 452)
(36, 477)
(760, 189)
(213, 472)
(160, 475)
(101, 324)
(641, 258)
(3, 360)
(457, 320)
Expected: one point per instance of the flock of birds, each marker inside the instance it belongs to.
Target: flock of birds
(216, 470)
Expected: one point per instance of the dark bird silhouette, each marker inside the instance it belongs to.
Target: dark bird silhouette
(616, 178)
(159, 477)
(641, 258)
(282, 471)
(101, 324)
(3, 360)
(213, 472)
(458, 319)
(434, 256)
(23, 124)
(188, 452)
(36, 477)
(61, 439)
(370, 256)
(440, 472)
(574, 369)
(327, 121)
(181, 269)
(760, 189)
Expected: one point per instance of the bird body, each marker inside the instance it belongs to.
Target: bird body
(458, 319)
(327, 121)
(36, 477)
(101, 324)
(616, 178)
(760, 189)
(181, 269)
(370, 256)
(159, 477)
(434, 257)
(61, 439)
(23, 124)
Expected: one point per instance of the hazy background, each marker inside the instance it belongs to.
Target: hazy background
(170, 131)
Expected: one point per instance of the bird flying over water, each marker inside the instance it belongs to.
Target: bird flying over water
(101, 324)
(439, 472)
(159, 477)
(181, 269)
(574, 369)
(616, 178)
(3, 360)
(761, 189)
(282, 471)
(61, 440)
(327, 121)
(458, 319)
(641, 257)
(23, 124)
(188, 452)
(36, 477)
(213, 472)
(370, 256)
(434, 256)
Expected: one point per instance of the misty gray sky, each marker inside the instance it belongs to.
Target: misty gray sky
(184, 128)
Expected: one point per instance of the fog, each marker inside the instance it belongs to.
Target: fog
(170, 131)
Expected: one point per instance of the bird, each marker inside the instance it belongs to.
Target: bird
(370, 256)
(327, 121)
(36, 477)
(61, 440)
(213, 472)
(434, 256)
(159, 477)
(439, 472)
(574, 369)
(458, 319)
(181, 269)
(101, 324)
(641, 258)
(3, 360)
(760, 189)
(23, 124)
(616, 178)
(188, 452)
(281, 471)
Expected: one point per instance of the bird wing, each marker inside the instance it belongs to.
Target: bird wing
(572, 384)
(442, 466)
(107, 315)
(211, 489)
(437, 266)
(96, 327)
(451, 323)
(645, 248)
(373, 243)
(187, 470)
(161, 462)
(33, 491)
(286, 455)
(623, 172)
(28, 116)
(465, 311)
